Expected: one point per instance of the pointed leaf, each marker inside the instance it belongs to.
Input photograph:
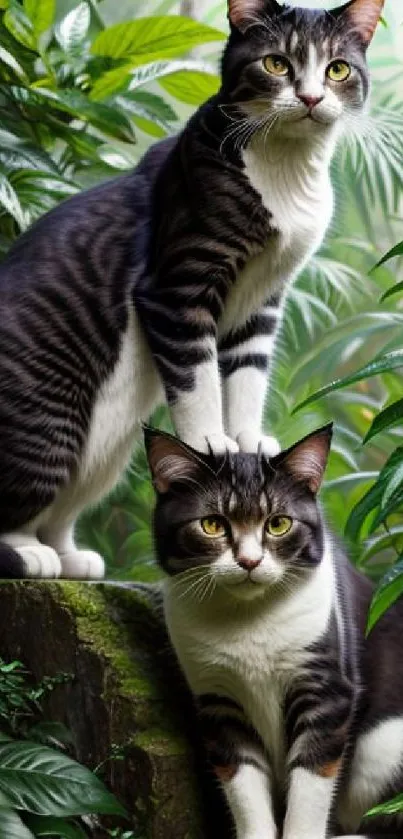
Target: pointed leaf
(20, 26)
(47, 782)
(52, 826)
(12, 826)
(41, 13)
(396, 251)
(389, 590)
(107, 118)
(389, 808)
(383, 363)
(394, 484)
(10, 202)
(152, 38)
(396, 289)
(390, 416)
(73, 29)
(191, 87)
(372, 499)
(12, 63)
(155, 105)
(387, 509)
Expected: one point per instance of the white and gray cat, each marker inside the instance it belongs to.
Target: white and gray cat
(166, 283)
(301, 714)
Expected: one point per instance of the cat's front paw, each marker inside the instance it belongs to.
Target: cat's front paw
(249, 441)
(82, 565)
(219, 444)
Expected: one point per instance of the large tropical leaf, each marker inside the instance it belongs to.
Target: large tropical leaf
(149, 39)
(47, 782)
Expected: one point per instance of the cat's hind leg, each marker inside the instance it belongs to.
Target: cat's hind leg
(76, 563)
(23, 555)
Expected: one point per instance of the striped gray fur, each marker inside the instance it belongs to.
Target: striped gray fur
(167, 283)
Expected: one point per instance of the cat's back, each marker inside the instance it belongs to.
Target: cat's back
(87, 234)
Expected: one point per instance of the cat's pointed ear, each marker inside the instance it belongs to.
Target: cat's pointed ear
(363, 16)
(243, 12)
(306, 461)
(170, 460)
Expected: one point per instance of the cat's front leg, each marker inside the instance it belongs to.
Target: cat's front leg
(182, 333)
(244, 356)
(319, 714)
(239, 763)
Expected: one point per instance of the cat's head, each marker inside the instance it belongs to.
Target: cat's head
(297, 72)
(242, 522)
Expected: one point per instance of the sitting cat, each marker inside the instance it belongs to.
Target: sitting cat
(301, 715)
(166, 282)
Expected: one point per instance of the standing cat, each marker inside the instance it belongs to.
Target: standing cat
(302, 715)
(155, 282)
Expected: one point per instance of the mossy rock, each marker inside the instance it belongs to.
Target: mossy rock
(126, 704)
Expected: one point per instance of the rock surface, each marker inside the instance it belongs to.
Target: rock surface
(126, 704)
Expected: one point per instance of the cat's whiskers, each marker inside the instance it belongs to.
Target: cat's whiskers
(197, 588)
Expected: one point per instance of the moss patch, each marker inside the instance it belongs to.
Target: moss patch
(95, 627)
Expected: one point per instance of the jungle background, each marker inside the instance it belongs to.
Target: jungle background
(85, 88)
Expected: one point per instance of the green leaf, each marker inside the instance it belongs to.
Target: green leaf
(383, 363)
(387, 509)
(152, 38)
(393, 539)
(19, 25)
(10, 202)
(47, 782)
(390, 416)
(150, 126)
(12, 827)
(11, 62)
(107, 118)
(372, 499)
(41, 13)
(191, 87)
(51, 826)
(155, 105)
(394, 483)
(389, 590)
(388, 808)
(396, 289)
(73, 29)
(396, 251)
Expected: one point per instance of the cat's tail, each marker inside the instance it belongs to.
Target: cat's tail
(11, 563)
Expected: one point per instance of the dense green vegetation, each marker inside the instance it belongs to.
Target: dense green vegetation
(84, 89)
(43, 792)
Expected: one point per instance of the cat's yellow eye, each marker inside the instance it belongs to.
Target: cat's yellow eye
(213, 526)
(276, 65)
(338, 71)
(278, 525)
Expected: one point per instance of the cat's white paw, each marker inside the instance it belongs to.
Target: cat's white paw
(40, 561)
(82, 565)
(220, 444)
(249, 441)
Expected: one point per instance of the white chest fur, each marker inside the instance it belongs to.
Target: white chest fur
(292, 179)
(251, 653)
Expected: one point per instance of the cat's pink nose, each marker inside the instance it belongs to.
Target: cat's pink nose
(310, 101)
(248, 564)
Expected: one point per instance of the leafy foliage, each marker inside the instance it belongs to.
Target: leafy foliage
(41, 788)
(75, 98)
